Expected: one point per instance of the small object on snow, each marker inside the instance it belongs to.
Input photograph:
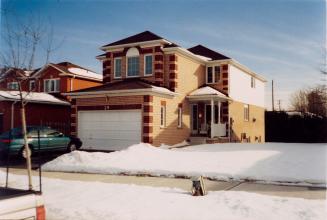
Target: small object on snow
(198, 188)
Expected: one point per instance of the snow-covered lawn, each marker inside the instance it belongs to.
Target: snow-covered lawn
(281, 163)
(95, 200)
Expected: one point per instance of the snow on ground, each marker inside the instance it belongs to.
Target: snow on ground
(301, 164)
(94, 200)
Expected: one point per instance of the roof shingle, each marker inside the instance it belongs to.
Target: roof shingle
(206, 52)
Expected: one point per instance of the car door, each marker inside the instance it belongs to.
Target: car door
(56, 140)
(34, 135)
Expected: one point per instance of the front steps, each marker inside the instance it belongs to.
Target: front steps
(206, 140)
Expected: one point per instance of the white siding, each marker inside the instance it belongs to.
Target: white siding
(240, 88)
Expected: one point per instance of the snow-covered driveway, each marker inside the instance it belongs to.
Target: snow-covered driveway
(302, 164)
(94, 200)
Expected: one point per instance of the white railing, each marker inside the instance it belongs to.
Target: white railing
(218, 130)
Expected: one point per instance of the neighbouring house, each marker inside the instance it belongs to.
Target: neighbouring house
(52, 80)
(41, 109)
(157, 92)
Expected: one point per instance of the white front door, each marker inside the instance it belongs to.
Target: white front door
(109, 130)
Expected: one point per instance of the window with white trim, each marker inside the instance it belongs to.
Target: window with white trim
(133, 62)
(162, 116)
(13, 86)
(180, 117)
(148, 63)
(213, 74)
(51, 85)
(246, 113)
(32, 85)
(117, 68)
(252, 82)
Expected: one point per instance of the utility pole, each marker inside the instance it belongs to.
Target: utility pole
(279, 104)
(272, 95)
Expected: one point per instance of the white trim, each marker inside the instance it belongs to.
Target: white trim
(125, 92)
(80, 76)
(246, 114)
(184, 52)
(46, 66)
(111, 48)
(51, 79)
(144, 64)
(121, 63)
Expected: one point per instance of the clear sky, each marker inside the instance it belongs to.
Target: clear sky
(283, 40)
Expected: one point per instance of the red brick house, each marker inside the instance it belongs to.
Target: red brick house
(156, 91)
(53, 79)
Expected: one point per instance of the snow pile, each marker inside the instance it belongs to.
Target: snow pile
(182, 144)
(94, 200)
(302, 164)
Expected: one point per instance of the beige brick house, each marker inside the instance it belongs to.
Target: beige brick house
(158, 92)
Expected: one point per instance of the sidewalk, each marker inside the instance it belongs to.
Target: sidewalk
(185, 184)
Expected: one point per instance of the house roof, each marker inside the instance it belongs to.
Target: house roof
(35, 97)
(141, 37)
(130, 85)
(72, 69)
(206, 52)
(207, 92)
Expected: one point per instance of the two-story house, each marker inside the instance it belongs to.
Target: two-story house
(48, 82)
(158, 92)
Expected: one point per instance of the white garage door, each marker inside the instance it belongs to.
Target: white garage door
(109, 130)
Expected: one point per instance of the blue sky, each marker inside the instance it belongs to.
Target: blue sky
(281, 40)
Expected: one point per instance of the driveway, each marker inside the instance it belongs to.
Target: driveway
(185, 184)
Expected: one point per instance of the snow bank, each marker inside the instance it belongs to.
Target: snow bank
(302, 164)
(94, 200)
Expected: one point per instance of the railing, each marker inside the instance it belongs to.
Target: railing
(218, 130)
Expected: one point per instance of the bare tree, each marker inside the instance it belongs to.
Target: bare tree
(313, 100)
(22, 41)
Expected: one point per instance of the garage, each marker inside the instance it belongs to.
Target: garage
(110, 129)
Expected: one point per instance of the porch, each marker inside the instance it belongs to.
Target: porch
(209, 122)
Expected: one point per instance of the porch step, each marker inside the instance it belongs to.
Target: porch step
(198, 140)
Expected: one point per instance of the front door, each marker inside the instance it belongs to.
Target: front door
(194, 120)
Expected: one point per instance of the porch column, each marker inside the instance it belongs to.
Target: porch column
(219, 106)
(212, 118)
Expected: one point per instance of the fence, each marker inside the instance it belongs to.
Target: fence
(282, 127)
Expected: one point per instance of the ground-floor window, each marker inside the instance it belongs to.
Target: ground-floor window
(163, 116)
(180, 114)
(246, 113)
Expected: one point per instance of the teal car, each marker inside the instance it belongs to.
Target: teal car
(12, 142)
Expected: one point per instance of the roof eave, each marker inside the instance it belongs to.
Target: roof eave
(80, 76)
(123, 92)
(107, 48)
(208, 97)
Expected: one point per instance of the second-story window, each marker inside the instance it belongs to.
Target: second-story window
(213, 74)
(117, 68)
(32, 85)
(51, 85)
(133, 62)
(148, 65)
(12, 86)
(252, 82)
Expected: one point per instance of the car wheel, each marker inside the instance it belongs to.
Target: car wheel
(23, 153)
(71, 147)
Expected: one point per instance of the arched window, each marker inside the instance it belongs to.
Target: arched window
(133, 62)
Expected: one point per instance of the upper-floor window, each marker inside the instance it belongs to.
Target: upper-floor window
(246, 113)
(32, 85)
(117, 68)
(51, 85)
(13, 85)
(148, 65)
(252, 82)
(133, 62)
(213, 74)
